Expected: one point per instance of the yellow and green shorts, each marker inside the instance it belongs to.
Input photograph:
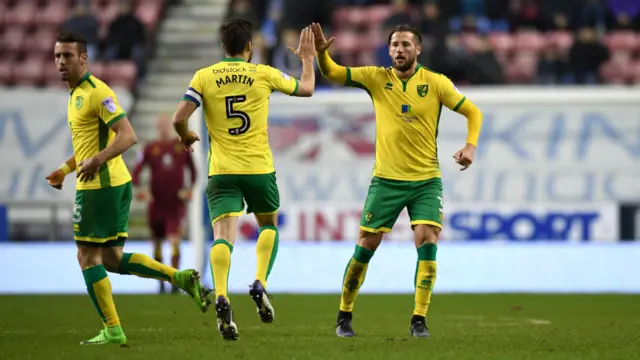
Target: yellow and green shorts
(101, 216)
(227, 195)
(387, 198)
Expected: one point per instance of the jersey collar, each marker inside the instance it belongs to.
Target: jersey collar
(233, 59)
(82, 79)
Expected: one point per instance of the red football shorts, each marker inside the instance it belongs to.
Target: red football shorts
(165, 220)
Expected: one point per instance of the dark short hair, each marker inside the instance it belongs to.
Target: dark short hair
(68, 37)
(236, 34)
(405, 28)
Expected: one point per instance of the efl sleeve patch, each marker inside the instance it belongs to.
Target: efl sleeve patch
(110, 104)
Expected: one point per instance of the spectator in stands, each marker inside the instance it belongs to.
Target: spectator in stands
(559, 14)
(552, 68)
(435, 29)
(472, 17)
(85, 23)
(434, 25)
(242, 9)
(126, 38)
(297, 14)
(400, 15)
(586, 56)
(269, 27)
(624, 14)
(497, 12)
(525, 14)
(284, 59)
(593, 14)
(260, 52)
(481, 65)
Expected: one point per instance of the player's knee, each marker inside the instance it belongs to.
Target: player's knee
(426, 234)
(88, 257)
(369, 240)
(111, 258)
(267, 219)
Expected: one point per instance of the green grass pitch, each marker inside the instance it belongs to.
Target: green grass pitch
(496, 327)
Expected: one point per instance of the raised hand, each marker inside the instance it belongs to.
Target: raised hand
(306, 47)
(322, 44)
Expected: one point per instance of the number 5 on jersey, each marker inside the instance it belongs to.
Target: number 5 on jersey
(237, 114)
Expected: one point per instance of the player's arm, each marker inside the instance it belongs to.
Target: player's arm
(185, 194)
(191, 100)
(328, 67)
(356, 77)
(141, 162)
(124, 139)
(106, 107)
(456, 101)
(330, 70)
(284, 83)
(56, 177)
(192, 168)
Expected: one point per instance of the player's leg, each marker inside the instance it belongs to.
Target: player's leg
(157, 230)
(425, 211)
(382, 207)
(173, 230)
(144, 266)
(225, 202)
(263, 199)
(94, 224)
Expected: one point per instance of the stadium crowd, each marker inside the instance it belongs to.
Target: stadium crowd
(472, 41)
(117, 31)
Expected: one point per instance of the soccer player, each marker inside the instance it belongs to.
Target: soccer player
(100, 133)
(408, 100)
(167, 160)
(235, 96)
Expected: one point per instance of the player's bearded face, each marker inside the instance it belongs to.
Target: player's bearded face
(403, 50)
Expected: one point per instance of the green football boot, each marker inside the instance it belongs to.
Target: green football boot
(189, 282)
(108, 335)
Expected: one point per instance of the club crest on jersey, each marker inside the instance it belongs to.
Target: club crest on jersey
(110, 104)
(423, 90)
(79, 101)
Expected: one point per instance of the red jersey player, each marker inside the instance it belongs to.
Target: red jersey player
(167, 161)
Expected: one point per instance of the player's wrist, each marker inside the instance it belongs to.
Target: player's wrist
(65, 168)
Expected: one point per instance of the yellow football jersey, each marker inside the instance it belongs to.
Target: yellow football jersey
(235, 99)
(407, 118)
(93, 108)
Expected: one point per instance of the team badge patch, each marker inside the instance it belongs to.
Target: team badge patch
(79, 101)
(423, 90)
(368, 216)
(110, 105)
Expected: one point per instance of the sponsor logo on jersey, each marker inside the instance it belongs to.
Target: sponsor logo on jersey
(388, 86)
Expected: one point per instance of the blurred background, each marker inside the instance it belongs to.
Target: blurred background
(554, 192)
